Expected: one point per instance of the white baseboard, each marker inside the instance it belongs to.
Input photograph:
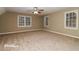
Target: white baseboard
(61, 33)
(40, 29)
(19, 31)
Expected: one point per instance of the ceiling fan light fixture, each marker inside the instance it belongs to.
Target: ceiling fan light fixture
(35, 12)
(35, 8)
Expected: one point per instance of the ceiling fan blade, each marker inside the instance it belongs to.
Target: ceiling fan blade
(41, 10)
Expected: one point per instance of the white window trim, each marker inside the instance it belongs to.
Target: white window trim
(30, 22)
(45, 21)
(25, 21)
(76, 11)
(18, 21)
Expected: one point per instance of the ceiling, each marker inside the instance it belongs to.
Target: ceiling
(29, 10)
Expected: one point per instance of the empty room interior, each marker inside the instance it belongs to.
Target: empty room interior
(39, 28)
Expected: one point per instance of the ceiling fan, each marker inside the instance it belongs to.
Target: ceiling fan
(36, 10)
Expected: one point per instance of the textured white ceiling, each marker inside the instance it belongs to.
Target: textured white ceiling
(29, 10)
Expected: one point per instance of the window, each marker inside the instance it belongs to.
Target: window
(45, 21)
(24, 21)
(71, 19)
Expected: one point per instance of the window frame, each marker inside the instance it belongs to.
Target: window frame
(24, 21)
(45, 21)
(75, 11)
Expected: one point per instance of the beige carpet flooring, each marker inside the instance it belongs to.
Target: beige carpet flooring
(38, 41)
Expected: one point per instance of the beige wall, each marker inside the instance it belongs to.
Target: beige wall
(8, 22)
(56, 23)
